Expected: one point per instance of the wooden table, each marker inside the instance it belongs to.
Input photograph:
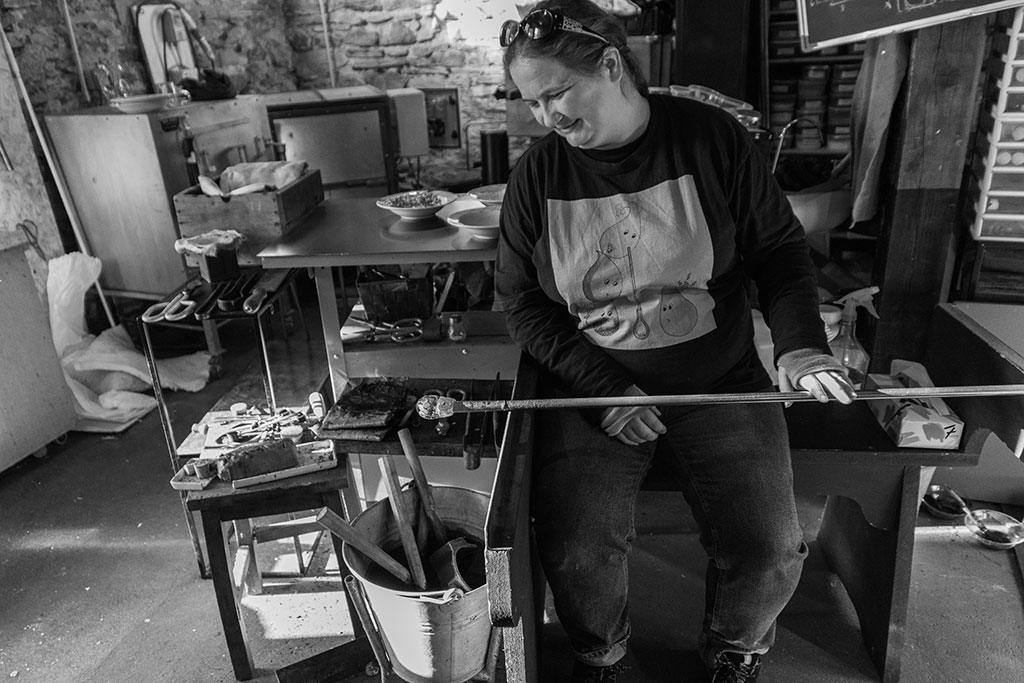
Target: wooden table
(355, 232)
(867, 532)
(220, 503)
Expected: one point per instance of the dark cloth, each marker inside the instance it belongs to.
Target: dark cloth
(637, 270)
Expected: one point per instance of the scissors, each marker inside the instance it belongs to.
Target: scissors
(400, 331)
(178, 308)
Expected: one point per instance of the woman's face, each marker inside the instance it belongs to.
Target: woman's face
(588, 111)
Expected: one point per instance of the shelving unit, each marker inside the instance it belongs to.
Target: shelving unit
(997, 169)
(992, 259)
(815, 87)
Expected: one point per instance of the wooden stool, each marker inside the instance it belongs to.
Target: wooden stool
(220, 503)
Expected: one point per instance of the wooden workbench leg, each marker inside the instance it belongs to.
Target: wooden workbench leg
(332, 501)
(331, 323)
(874, 565)
(227, 596)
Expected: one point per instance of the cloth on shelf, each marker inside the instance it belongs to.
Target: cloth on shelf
(209, 243)
(878, 84)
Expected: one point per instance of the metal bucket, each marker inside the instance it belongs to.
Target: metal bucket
(429, 636)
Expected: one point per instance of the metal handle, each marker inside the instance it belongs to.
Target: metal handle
(436, 407)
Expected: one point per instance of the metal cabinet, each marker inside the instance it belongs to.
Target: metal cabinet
(122, 171)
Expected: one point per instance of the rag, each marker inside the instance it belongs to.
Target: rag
(209, 243)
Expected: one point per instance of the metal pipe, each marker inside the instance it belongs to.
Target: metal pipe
(436, 407)
(74, 51)
(785, 131)
(327, 42)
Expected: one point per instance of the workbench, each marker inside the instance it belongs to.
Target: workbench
(838, 451)
(355, 232)
(872, 488)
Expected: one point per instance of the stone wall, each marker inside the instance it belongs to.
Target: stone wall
(278, 45)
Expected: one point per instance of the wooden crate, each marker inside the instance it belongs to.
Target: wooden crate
(262, 217)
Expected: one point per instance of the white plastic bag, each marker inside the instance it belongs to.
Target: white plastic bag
(106, 373)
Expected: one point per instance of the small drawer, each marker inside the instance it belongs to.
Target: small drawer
(813, 104)
(783, 32)
(1011, 132)
(839, 116)
(1009, 158)
(784, 50)
(1005, 182)
(1000, 228)
(815, 72)
(1005, 205)
(782, 87)
(1014, 103)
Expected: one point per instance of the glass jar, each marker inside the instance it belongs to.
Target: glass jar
(454, 327)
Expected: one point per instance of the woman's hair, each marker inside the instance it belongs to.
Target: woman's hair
(579, 53)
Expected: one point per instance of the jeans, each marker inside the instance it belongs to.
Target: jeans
(734, 468)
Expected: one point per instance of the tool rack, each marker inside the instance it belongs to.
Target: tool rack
(215, 316)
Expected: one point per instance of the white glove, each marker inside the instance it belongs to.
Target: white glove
(818, 373)
(633, 425)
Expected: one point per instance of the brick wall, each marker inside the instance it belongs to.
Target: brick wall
(278, 45)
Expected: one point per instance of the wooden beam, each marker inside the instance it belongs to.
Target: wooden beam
(920, 223)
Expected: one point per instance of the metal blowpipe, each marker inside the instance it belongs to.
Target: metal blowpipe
(435, 407)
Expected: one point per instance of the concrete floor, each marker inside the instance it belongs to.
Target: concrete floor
(98, 584)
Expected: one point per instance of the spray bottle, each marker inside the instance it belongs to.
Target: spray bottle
(845, 346)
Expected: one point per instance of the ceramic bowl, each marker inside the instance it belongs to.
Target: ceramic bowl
(481, 223)
(489, 194)
(1000, 530)
(416, 204)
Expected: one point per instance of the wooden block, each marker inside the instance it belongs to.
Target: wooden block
(259, 458)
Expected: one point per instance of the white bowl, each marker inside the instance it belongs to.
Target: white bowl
(416, 204)
(481, 222)
(489, 194)
(142, 104)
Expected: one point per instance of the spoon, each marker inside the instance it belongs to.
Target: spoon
(1009, 535)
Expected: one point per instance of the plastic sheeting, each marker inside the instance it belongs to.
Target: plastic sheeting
(107, 375)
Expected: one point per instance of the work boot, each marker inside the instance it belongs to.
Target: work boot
(584, 673)
(734, 667)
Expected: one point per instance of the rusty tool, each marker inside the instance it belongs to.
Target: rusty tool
(426, 497)
(445, 563)
(403, 521)
(437, 407)
(478, 427)
(334, 523)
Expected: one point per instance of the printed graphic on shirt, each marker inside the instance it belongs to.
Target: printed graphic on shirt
(634, 267)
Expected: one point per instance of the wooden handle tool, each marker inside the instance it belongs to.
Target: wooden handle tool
(333, 522)
(426, 497)
(403, 521)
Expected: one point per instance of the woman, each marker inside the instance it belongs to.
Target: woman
(629, 235)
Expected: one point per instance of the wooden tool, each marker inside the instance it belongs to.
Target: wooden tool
(403, 521)
(426, 497)
(268, 283)
(436, 407)
(333, 522)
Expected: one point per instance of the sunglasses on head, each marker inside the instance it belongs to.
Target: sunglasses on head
(541, 23)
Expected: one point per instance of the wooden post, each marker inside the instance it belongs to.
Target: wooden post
(920, 223)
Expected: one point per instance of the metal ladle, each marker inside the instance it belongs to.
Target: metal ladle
(984, 523)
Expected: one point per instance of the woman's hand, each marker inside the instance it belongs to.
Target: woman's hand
(633, 425)
(818, 373)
